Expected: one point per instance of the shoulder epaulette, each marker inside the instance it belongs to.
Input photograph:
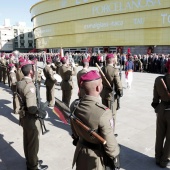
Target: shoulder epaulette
(102, 106)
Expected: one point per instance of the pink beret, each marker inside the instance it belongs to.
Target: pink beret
(27, 62)
(90, 76)
(109, 56)
(11, 65)
(49, 60)
(21, 59)
(7, 57)
(63, 59)
(85, 60)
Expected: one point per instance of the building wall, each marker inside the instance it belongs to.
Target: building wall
(16, 37)
(79, 23)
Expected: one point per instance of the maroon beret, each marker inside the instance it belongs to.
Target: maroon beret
(63, 59)
(90, 76)
(85, 60)
(109, 56)
(49, 60)
(27, 62)
(11, 65)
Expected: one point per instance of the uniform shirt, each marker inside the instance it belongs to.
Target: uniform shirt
(13, 80)
(159, 93)
(26, 90)
(98, 117)
(66, 73)
(48, 72)
(19, 75)
(112, 75)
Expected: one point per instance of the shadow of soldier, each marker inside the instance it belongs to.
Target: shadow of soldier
(5, 88)
(10, 159)
(6, 111)
(56, 121)
(134, 160)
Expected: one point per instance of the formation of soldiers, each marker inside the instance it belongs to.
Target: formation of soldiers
(100, 115)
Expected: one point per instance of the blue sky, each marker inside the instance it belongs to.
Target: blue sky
(16, 10)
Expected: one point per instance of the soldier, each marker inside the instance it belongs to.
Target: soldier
(4, 68)
(12, 77)
(29, 122)
(85, 69)
(50, 83)
(112, 75)
(161, 104)
(1, 68)
(66, 73)
(19, 73)
(89, 153)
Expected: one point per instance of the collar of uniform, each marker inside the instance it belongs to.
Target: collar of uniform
(93, 98)
(86, 69)
(28, 79)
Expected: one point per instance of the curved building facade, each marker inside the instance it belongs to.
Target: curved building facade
(91, 23)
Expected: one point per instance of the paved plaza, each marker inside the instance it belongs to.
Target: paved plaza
(135, 125)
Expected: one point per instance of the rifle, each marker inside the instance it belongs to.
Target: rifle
(118, 96)
(112, 88)
(41, 106)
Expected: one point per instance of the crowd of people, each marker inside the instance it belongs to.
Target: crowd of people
(24, 78)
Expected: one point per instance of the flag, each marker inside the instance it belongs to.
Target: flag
(62, 111)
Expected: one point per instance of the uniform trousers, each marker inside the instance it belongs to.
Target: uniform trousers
(31, 131)
(162, 145)
(0, 74)
(66, 96)
(108, 103)
(50, 94)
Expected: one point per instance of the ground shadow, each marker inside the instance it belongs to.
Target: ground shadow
(10, 158)
(6, 88)
(55, 121)
(7, 111)
(133, 160)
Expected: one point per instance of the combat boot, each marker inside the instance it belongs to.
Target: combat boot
(164, 164)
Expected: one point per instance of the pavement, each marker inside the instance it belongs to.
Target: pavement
(135, 126)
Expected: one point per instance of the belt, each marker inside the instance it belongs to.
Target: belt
(90, 145)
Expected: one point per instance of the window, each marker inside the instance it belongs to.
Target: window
(16, 44)
(30, 34)
(30, 43)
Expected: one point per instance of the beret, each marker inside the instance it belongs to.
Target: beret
(27, 62)
(90, 76)
(49, 60)
(63, 59)
(85, 60)
(109, 56)
(11, 65)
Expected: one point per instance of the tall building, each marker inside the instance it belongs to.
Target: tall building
(17, 37)
(139, 25)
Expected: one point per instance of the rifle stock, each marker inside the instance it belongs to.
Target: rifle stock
(82, 125)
